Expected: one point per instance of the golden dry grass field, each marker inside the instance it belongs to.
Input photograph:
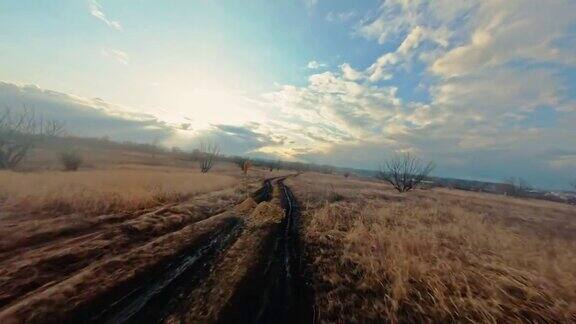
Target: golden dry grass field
(436, 255)
(101, 191)
(70, 238)
(71, 242)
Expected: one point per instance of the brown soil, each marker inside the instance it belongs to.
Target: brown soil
(43, 256)
(70, 268)
(207, 302)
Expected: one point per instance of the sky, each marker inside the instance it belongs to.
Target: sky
(484, 88)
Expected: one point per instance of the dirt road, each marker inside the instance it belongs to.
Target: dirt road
(242, 263)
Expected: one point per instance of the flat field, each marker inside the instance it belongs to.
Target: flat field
(142, 237)
(435, 255)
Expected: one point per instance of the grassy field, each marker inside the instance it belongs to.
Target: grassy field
(112, 178)
(436, 256)
(372, 254)
(97, 191)
(132, 209)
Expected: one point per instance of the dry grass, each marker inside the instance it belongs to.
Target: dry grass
(538, 217)
(433, 256)
(35, 252)
(103, 191)
(68, 237)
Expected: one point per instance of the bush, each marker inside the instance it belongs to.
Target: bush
(405, 171)
(71, 160)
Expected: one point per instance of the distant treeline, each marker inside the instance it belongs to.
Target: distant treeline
(510, 187)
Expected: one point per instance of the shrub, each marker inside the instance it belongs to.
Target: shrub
(71, 160)
(405, 171)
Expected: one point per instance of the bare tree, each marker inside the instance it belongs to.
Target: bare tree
(208, 153)
(405, 171)
(516, 187)
(19, 132)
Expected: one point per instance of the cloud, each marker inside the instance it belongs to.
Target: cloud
(383, 68)
(398, 16)
(349, 73)
(249, 132)
(96, 11)
(96, 118)
(412, 40)
(512, 31)
(117, 55)
(499, 92)
(490, 71)
(335, 109)
(465, 83)
(314, 65)
(85, 117)
(246, 139)
(379, 70)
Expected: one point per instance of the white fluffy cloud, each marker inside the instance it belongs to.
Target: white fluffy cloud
(338, 109)
(350, 73)
(492, 75)
(505, 31)
(399, 16)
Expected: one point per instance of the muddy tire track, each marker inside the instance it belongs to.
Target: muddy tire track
(155, 294)
(164, 280)
(53, 263)
(276, 289)
(161, 291)
(264, 193)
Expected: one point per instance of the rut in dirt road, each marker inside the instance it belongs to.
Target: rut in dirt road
(242, 265)
(276, 290)
(163, 291)
(158, 292)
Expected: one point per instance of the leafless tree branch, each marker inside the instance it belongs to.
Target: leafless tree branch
(405, 171)
(208, 153)
(19, 131)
